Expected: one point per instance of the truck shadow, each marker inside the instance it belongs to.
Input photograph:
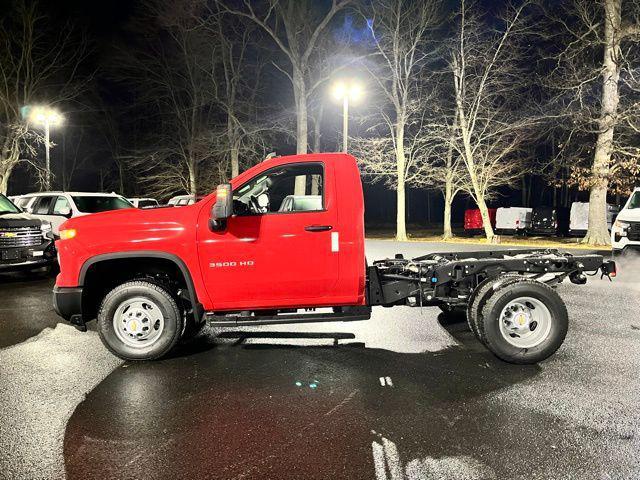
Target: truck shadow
(280, 411)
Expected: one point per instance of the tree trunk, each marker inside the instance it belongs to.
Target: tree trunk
(300, 95)
(121, 177)
(192, 178)
(598, 233)
(486, 220)
(448, 200)
(5, 173)
(401, 227)
(235, 161)
(233, 147)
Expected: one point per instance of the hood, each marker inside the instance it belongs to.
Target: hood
(17, 220)
(629, 215)
(133, 228)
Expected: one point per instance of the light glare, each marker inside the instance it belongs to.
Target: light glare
(45, 115)
(351, 89)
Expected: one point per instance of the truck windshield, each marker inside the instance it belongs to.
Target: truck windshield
(94, 204)
(634, 201)
(6, 206)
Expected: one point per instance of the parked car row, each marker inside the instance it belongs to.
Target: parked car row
(551, 221)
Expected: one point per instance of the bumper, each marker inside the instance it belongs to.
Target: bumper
(67, 302)
(27, 258)
(25, 265)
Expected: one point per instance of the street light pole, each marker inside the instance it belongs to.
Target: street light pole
(47, 182)
(345, 123)
(46, 117)
(346, 91)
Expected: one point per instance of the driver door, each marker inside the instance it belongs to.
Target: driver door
(277, 250)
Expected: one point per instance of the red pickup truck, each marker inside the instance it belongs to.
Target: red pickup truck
(284, 243)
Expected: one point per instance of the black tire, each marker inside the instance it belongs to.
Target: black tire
(481, 294)
(173, 320)
(489, 327)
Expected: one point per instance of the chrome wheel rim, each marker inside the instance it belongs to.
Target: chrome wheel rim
(525, 322)
(138, 322)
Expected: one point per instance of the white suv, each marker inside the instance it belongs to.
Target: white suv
(57, 207)
(143, 202)
(625, 233)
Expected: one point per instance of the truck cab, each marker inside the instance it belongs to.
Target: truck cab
(292, 237)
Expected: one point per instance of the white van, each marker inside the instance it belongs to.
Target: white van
(515, 220)
(625, 233)
(579, 218)
(57, 207)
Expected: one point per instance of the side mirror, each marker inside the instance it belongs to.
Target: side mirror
(223, 208)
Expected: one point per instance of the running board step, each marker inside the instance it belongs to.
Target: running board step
(282, 319)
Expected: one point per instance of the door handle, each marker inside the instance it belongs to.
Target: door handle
(318, 228)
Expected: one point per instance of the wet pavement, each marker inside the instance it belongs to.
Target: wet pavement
(406, 395)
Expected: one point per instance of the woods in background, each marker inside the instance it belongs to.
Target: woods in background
(458, 99)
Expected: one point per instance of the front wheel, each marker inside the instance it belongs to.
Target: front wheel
(524, 322)
(139, 320)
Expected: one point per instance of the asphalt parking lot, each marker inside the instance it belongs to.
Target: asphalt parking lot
(403, 396)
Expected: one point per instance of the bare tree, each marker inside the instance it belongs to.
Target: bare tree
(36, 65)
(171, 73)
(446, 171)
(237, 81)
(597, 87)
(489, 90)
(296, 27)
(400, 33)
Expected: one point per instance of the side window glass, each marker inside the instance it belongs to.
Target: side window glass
(61, 207)
(42, 205)
(22, 202)
(285, 189)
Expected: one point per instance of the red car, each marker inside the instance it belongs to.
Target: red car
(473, 220)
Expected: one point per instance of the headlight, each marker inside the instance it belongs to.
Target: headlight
(45, 227)
(67, 233)
(620, 228)
(621, 225)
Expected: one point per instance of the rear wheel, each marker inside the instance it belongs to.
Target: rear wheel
(481, 294)
(524, 322)
(139, 320)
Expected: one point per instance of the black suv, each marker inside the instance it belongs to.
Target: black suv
(26, 242)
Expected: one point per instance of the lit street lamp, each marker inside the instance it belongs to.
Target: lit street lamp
(46, 117)
(349, 90)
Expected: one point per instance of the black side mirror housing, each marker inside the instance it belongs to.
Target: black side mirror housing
(223, 208)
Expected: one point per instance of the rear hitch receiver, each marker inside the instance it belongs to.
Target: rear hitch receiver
(609, 269)
(578, 278)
